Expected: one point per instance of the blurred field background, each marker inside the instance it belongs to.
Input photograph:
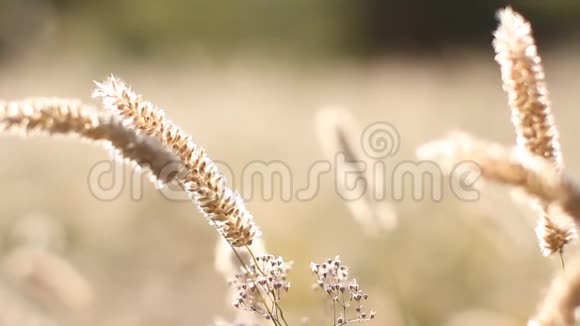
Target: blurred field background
(246, 79)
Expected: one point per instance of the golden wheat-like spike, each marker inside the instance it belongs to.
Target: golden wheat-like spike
(561, 300)
(537, 176)
(524, 82)
(51, 116)
(56, 116)
(339, 133)
(202, 180)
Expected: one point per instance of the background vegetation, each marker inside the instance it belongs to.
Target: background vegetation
(361, 29)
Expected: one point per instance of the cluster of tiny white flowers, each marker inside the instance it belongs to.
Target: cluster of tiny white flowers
(332, 278)
(266, 279)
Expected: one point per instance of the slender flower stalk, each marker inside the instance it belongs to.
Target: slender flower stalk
(224, 208)
(56, 116)
(229, 263)
(524, 82)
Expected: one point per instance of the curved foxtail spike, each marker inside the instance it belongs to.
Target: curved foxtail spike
(202, 180)
(524, 82)
(538, 177)
(57, 116)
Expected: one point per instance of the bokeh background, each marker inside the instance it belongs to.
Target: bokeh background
(246, 78)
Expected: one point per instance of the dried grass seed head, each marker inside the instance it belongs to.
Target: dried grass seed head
(524, 82)
(554, 234)
(202, 180)
(538, 177)
(56, 116)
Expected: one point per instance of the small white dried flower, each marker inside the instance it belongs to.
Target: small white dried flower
(263, 282)
(332, 278)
